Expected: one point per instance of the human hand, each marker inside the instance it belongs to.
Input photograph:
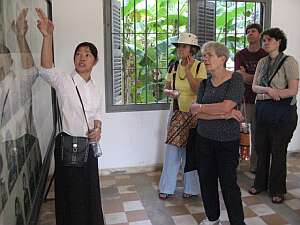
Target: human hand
(234, 114)
(273, 93)
(45, 25)
(194, 108)
(190, 62)
(242, 68)
(20, 26)
(95, 134)
(172, 93)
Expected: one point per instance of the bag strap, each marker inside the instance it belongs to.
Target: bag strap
(198, 67)
(81, 105)
(244, 109)
(204, 84)
(3, 107)
(59, 120)
(174, 67)
(278, 67)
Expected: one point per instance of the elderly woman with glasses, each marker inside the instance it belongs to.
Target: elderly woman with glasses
(182, 83)
(218, 137)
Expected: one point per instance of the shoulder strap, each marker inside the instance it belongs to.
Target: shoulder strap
(278, 67)
(198, 67)
(59, 120)
(175, 66)
(81, 105)
(3, 107)
(204, 83)
(172, 64)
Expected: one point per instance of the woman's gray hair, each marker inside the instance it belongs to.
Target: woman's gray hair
(219, 48)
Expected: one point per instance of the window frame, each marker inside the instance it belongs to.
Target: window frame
(107, 16)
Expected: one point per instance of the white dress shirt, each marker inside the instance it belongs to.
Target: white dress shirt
(15, 103)
(73, 121)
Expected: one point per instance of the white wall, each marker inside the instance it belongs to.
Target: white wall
(285, 15)
(129, 139)
(135, 138)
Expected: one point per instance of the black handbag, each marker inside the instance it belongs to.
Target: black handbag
(191, 151)
(73, 150)
(191, 162)
(273, 113)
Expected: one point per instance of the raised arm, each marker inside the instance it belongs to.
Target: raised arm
(20, 28)
(194, 82)
(46, 28)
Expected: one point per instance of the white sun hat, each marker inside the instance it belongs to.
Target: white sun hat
(187, 38)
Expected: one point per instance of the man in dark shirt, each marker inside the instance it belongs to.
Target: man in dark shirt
(245, 62)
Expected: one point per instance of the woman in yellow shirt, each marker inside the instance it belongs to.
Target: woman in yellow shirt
(182, 84)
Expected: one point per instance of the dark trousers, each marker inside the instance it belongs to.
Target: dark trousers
(271, 147)
(218, 161)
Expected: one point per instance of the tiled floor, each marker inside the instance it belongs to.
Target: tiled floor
(132, 200)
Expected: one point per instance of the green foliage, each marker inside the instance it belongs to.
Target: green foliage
(156, 26)
(146, 56)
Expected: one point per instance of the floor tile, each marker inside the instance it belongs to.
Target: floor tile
(112, 206)
(261, 209)
(177, 210)
(144, 222)
(107, 183)
(127, 189)
(295, 192)
(132, 199)
(195, 208)
(293, 204)
(251, 200)
(115, 218)
(129, 197)
(138, 215)
(254, 221)
(184, 220)
(274, 219)
(133, 205)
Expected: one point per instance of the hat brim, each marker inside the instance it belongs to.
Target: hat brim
(177, 43)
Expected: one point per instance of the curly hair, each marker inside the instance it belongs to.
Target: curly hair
(278, 34)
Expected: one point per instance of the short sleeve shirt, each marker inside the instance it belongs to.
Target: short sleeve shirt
(249, 61)
(288, 71)
(220, 129)
(187, 96)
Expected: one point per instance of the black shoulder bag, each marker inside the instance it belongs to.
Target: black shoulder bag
(73, 150)
(273, 113)
(191, 162)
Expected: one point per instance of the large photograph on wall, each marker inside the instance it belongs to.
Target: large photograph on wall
(1, 24)
(26, 121)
